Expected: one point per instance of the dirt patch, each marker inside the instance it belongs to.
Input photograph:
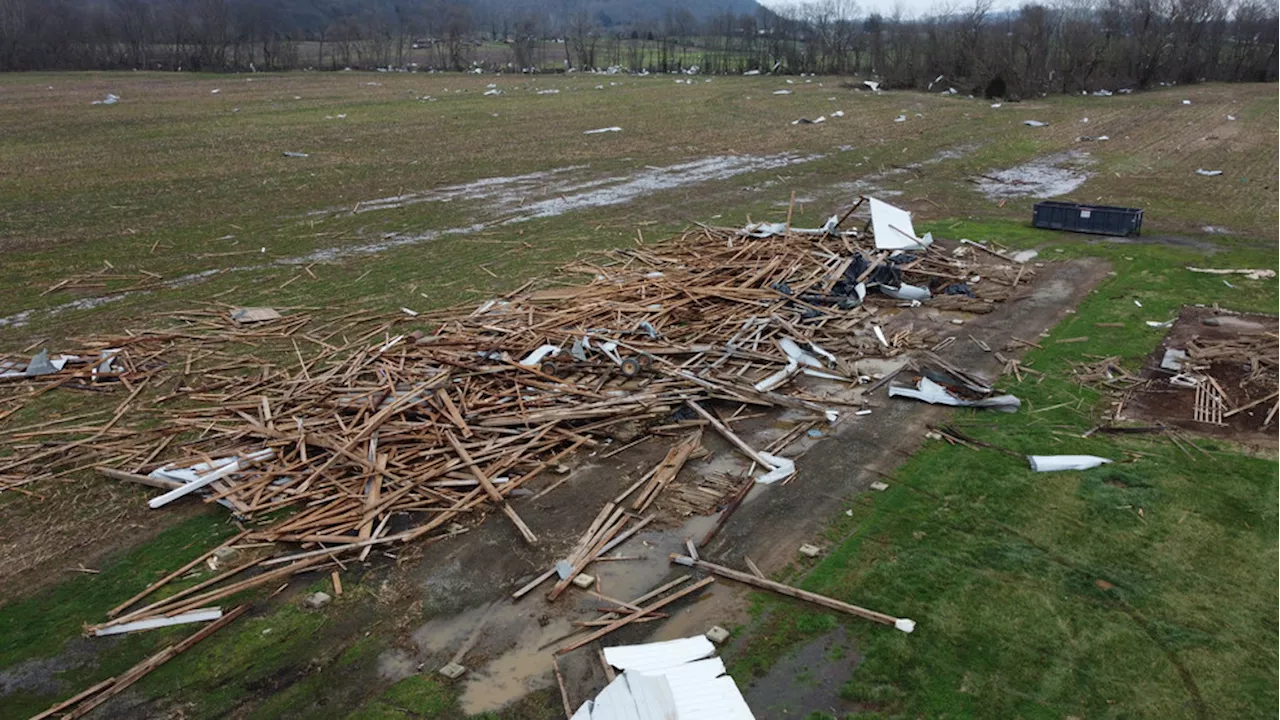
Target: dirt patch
(40, 676)
(1041, 178)
(808, 680)
(58, 516)
(1244, 377)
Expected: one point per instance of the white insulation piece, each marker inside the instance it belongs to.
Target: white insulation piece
(1052, 463)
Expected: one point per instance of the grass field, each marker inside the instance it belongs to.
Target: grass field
(1038, 595)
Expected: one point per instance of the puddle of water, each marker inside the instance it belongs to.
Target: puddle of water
(502, 189)
(554, 192)
(502, 196)
(396, 665)
(1041, 178)
(514, 673)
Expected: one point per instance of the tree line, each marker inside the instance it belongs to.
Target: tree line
(1068, 46)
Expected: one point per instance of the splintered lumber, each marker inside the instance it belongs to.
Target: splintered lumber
(816, 599)
(743, 490)
(635, 615)
(136, 478)
(359, 417)
(137, 672)
(625, 536)
(490, 490)
(591, 545)
(729, 435)
(176, 573)
(666, 471)
(58, 708)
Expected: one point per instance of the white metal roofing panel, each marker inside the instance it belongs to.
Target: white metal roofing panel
(893, 230)
(659, 655)
(615, 702)
(652, 695)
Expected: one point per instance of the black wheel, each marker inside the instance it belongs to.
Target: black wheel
(549, 367)
(630, 367)
(645, 361)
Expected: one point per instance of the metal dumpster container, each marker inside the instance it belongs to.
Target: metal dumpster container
(1093, 219)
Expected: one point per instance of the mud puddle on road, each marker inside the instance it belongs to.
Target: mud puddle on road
(515, 642)
(515, 673)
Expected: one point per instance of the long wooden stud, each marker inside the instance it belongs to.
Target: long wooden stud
(789, 591)
(635, 615)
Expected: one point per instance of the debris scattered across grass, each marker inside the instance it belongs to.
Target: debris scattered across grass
(1252, 274)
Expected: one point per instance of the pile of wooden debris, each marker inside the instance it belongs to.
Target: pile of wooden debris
(359, 418)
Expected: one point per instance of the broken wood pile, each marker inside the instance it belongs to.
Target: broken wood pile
(1105, 373)
(1246, 363)
(444, 415)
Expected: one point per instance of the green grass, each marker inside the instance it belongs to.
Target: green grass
(969, 543)
(1146, 588)
(41, 626)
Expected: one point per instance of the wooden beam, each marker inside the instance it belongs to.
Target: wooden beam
(490, 490)
(787, 590)
(635, 615)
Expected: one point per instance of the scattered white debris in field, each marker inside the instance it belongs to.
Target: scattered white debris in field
(1035, 123)
(110, 99)
(215, 91)
(900, 118)
(598, 131)
(781, 92)
(1208, 173)
(996, 105)
(1231, 117)
(1186, 102)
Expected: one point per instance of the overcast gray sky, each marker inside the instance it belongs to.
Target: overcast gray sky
(886, 7)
